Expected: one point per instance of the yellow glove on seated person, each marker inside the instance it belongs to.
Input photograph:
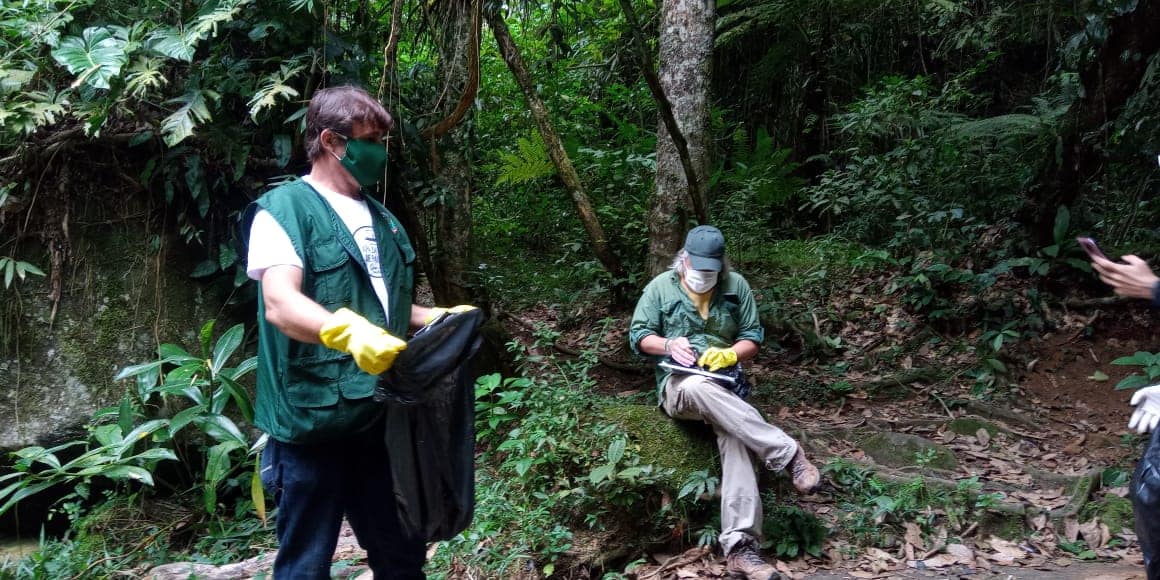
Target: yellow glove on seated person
(436, 312)
(717, 358)
(374, 349)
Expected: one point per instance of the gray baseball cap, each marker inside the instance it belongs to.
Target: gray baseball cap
(706, 248)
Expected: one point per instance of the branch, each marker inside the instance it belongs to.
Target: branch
(391, 50)
(472, 87)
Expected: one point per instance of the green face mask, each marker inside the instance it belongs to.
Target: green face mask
(365, 160)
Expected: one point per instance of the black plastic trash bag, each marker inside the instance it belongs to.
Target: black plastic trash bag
(1146, 505)
(430, 431)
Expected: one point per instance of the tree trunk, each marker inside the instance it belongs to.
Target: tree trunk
(1109, 81)
(452, 157)
(511, 56)
(665, 109)
(686, 51)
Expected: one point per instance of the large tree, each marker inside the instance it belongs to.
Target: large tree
(686, 51)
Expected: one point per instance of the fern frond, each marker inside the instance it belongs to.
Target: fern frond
(530, 163)
(1002, 127)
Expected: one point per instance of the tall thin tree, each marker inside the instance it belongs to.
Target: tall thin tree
(511, 55)
(685, 59)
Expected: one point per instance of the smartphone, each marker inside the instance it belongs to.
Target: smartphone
(1089, 246)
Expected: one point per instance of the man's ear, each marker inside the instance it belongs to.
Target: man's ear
(330, 141)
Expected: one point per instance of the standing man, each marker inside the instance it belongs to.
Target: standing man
(335, 275)
(701, 314)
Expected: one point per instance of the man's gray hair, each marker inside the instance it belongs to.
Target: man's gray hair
(679, 267)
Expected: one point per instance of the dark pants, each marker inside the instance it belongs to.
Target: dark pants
(315, 485)
(1145, 490)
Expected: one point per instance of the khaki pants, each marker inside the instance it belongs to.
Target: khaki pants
(742, 433)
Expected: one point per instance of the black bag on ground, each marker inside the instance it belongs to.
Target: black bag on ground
(430, 430)
(1146, 505)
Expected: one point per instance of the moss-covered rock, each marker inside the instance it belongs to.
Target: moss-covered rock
(971, 425)
(683, 446)
(899, 450)
(120, 298)
(1113, 510)
(1007, 522)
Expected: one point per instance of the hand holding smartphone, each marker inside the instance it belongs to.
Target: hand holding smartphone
(1089, 246)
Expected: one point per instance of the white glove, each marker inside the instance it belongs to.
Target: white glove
(1147, 414)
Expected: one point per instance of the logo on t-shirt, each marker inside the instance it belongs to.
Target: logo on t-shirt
(365, 238)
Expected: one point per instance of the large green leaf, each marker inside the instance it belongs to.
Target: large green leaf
(225, 347)
(221, 428)
(95, 57)
(23, 493)
(193, 110)
(129, 472)
(241, 398)
(144, 430)
(275, 87)
(217, 466)
(170, 42)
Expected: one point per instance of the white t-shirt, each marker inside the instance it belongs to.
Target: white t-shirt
(270, 245)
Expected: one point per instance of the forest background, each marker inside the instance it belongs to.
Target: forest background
(902, 181)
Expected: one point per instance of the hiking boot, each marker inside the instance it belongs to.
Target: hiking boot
(805, 476)
(744, 563)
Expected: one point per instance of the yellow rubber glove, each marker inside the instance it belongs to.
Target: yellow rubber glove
(374, 349)
(436, 312)
(717, 358)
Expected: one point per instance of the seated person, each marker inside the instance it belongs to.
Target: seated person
(699, 313)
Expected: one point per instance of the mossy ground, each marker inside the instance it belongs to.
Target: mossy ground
(682, 446)
(971, 425)
(900, 450)
(1113, 510)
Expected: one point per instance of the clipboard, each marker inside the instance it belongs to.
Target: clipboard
(696, 371)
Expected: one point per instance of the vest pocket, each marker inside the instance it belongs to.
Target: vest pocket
(331, 281)
(313, 383)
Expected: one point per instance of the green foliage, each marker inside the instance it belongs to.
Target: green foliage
(699, 484)
(95, 57)
(550, 465)
(918, 174)
(1063, 251)
(875, 509)
(111, 451)
(13, 268)
(208, 386)
(529, 164)
(792, 532)
(1149, 364)
(126, 445)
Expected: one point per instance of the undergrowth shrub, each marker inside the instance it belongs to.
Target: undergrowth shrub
(874, 510)
(551, 466)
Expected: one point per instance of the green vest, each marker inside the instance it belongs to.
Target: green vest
(308, 393)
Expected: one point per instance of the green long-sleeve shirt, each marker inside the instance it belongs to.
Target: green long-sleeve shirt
(665, 310)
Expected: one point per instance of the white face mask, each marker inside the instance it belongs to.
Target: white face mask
(700, 281)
